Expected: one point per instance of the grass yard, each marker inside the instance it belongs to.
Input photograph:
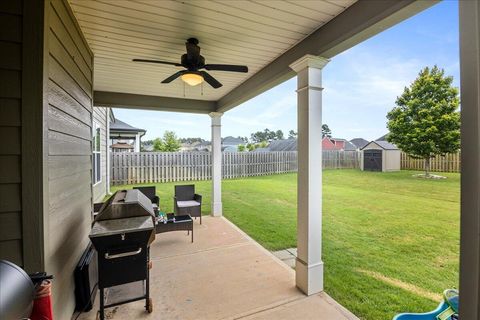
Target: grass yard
(391, 242)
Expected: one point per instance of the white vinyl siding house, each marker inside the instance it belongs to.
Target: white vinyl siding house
(100, 152)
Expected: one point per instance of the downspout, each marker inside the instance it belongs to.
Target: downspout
(108, 144)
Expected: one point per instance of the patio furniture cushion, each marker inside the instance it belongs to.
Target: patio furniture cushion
(188, 203)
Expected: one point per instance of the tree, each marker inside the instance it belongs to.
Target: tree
(241, 148)
(279, 135)
(326, 132)
(292, 134)
(426, 120)
(251, 147)
(169, 142)
(157, 144)
(267, 135)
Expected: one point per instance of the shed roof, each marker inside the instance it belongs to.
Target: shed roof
(382, 144)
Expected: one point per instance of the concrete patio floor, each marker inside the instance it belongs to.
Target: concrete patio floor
(224, 274)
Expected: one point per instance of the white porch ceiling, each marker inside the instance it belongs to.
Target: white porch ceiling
(252, 33)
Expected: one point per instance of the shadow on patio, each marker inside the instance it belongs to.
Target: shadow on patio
(224, 274)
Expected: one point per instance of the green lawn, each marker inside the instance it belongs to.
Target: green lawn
(391, 241)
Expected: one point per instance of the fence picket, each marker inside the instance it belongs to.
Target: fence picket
(448, 163)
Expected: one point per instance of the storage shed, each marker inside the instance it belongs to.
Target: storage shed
(380, 156)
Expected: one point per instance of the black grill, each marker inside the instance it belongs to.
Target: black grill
(122, 233)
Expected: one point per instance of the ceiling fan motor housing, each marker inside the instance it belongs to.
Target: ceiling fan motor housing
(192, 62)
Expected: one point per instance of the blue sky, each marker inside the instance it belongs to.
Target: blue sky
(361, 84)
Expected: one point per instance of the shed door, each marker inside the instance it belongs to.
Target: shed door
(372, 160)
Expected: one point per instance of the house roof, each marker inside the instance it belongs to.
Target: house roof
(359, 142)
(349, 146)
(283, 145)
(229, 149)
(382, 144)
(382, 138)
(119, 125)
(232, 140)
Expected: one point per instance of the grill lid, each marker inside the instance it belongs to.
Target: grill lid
(126, 204)
(118, 226)
(125, 211)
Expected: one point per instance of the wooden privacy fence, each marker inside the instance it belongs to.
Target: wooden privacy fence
(448, 163)
(152, 167)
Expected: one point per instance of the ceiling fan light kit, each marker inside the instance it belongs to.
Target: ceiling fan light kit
(192, 78)
(192, 61)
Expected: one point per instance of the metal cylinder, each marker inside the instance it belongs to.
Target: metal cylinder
(17, 292)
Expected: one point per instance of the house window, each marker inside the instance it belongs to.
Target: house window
(96, 157)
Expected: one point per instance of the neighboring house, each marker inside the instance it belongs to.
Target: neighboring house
(189, 146)
(229, 149)
(359, 143)
(283, 145)
(350, 146)
(327, 144)
(124, 137)
(204, 146)
(232, 141)
(100, 152)
(383, 138)
(337, 144)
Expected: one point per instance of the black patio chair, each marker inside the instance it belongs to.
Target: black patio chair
(151, 194)
(186, 201)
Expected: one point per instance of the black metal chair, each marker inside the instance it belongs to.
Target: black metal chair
(186, 201)
(151, 194)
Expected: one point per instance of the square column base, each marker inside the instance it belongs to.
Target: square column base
(309, 278)
(217, 209)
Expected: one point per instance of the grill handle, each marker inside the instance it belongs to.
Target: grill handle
(123, 254)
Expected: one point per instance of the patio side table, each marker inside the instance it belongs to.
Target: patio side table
(181, 223)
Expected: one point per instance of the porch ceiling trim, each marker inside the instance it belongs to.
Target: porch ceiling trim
(146, 102)
(359, 22)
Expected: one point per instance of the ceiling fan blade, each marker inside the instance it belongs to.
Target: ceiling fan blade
(158, 61)
(226, 67)
(210, 80)
(173, 76)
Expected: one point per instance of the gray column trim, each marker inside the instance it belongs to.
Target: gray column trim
(470, 177)
(34, 135)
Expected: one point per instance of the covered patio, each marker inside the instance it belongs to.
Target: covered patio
(62, 59)
(188, 279)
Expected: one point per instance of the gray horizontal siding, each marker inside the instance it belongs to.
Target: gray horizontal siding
(10, 128)
(69, 114)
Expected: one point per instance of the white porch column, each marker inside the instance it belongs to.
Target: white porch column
(137, 143)
(216, 163)
(309, 264)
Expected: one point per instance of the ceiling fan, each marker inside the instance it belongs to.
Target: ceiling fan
(193, 62)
